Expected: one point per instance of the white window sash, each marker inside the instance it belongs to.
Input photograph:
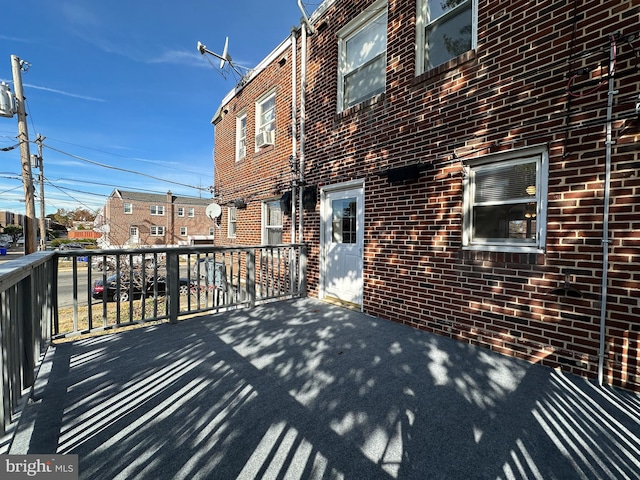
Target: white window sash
(516, 157)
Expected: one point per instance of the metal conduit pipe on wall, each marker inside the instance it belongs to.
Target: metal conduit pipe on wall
(605, 222)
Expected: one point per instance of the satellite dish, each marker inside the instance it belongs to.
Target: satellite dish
(213, 211)
(225, 53)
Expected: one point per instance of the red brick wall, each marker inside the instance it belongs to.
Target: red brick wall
(119, 222)
(264, 174)
(511, 92)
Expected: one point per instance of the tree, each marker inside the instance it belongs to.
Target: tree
(67, 217)
(14, 230)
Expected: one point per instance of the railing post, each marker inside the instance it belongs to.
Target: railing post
(251, 277)
(302, 277)
(173, 285)
(27, 334)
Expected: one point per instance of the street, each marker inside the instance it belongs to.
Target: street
(65, 286)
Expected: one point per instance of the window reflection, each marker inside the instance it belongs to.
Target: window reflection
(343, 223)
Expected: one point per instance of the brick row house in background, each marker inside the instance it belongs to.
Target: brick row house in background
(135, 219)
(469, 167)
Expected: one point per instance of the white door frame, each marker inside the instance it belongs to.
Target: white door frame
(324, 205)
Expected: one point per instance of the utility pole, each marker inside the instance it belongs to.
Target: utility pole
(23, 137)
(43, 226)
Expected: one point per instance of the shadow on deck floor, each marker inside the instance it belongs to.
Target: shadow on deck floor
(304, 389)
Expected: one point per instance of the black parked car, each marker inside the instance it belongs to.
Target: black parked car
(113, 294)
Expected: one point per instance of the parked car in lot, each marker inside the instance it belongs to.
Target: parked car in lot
(121, 291)
(5, 240)
(71, 246)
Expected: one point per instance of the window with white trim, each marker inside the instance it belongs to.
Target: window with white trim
(183, 231)
(505, 198)
(362, 53)
(156, 231)
(181, 211)
(212, 231)
(128, 208)
(445, 30)
(156, 209)
(191, 212)
(241, 136)
(271, 223)
(266, 120)
(231, 222)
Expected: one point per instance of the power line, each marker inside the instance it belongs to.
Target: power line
(110, 167)
(121, 156)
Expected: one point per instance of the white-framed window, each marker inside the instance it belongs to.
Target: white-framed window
(241, 136)
(191, 212)
(156, 231)
(231, 222)
(156, 209)
(445, 30)
(212, 231)
(271, 223)
(265, 120)
(183, 231)
(180, 211)
(362, 53)
(128, 208)
(505, 201)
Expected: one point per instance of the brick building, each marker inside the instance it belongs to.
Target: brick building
(254, 135)
(476, 167)
(131, 219)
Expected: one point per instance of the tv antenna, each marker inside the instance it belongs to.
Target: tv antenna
(225, 58)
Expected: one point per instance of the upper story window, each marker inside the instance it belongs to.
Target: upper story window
(446, 30)
(231, 222)
(156, 209)
(183, 231)
(191, 212)
(181, 211)
(505, 198)
(241, 136)
(271, 223)
(156, 231)
(362, 50)
(212, 231)
(265, 121)
(128, 208)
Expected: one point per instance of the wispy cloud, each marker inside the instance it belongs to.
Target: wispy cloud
(62, 92)
(15, 39)
(56, 91)
(179, 57)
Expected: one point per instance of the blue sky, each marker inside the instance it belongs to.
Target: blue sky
(121, 84)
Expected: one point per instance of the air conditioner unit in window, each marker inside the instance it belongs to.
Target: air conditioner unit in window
(264, 138)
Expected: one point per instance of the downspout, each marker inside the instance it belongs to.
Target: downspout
(605, 222)
(303, 95)
(294, 130)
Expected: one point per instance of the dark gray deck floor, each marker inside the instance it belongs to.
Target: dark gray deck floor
(303, 389)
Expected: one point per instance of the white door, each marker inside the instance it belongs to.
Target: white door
(134, 235)
(343, 218)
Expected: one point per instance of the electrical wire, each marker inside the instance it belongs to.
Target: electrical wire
(603, 81)
(121, 156)
(111, 167)
(63, 190)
